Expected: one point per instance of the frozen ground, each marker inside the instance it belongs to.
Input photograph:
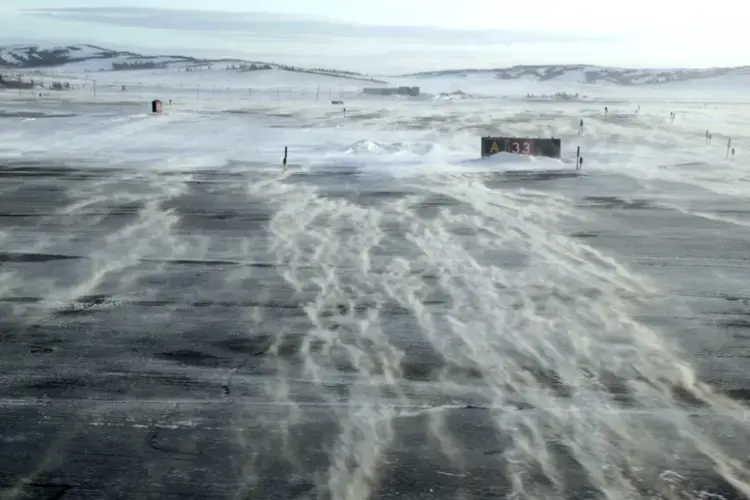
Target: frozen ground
(390, 318)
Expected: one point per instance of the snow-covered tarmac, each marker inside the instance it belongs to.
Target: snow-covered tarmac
(391, 317)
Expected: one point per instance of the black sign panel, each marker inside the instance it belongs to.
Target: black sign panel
(523, 146)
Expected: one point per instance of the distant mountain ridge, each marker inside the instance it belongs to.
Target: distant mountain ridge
(31, 56)
(581, 73)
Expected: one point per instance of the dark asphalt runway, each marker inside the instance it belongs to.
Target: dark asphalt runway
(187, 374)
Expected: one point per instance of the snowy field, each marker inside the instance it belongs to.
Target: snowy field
(391, 317)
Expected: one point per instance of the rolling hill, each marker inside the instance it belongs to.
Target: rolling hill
(579, 73)
(85, 57)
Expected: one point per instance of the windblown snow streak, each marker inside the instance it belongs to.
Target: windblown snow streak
(390, 317)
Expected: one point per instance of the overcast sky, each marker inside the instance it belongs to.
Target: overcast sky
(399, 35)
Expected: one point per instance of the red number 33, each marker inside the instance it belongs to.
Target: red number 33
(517, 148)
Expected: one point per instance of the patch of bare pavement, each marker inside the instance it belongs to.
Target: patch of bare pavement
(166, 396)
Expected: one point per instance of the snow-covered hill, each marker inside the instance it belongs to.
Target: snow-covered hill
(90, 58)
(35, 56)
(596, 74)
(86, 57)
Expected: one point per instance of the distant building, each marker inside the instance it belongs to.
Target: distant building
(411, 91)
